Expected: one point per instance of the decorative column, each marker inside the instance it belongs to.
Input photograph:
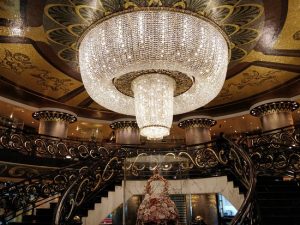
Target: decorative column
(274, 113)
(54, 122)
(127, 131)
(197, 129)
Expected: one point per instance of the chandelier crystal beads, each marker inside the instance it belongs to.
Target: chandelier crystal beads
(153, 95)
(159, 39)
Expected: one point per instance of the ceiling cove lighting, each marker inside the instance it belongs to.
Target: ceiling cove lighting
(153, 63)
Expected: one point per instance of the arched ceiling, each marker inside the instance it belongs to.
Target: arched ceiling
(35, 70)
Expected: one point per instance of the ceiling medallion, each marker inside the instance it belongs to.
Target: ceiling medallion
(164, 41)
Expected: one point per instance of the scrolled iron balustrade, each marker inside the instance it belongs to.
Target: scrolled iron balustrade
(87, 184)
(48, 146)
(275, 152)
(220, 154)
(24, 195)
(102, 165)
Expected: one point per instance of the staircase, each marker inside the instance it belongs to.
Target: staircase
(43, 216)
(180, 203)
(278, 201)
(190, 186)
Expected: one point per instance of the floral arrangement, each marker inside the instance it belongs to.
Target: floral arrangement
(157, 208)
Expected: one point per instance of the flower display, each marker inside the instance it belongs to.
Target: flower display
(157, 208)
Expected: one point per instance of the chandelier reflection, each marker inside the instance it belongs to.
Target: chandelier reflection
(153, 63)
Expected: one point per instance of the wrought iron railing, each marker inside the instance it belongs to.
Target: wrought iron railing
(26, 194)
(49, 147)
(275, 152)
(76, 184)
(244, 170)
(91, 180)
(218, 156)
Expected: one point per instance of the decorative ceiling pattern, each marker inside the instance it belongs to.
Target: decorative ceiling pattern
(249, 83)
(39, 41)
(66, 21)
(21, 65)
(290, 35)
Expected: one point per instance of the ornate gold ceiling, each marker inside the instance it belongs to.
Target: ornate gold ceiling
(38, 51)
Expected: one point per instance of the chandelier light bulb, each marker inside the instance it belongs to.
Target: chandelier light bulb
(153, 63)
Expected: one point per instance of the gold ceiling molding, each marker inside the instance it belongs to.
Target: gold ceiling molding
(201, 121)
(76, 100)
(65, 21)
(98, 107)
(260, 56)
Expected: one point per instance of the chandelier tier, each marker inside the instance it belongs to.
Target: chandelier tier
(153, 95)
(188, 54)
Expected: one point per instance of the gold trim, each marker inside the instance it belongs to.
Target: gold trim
(261, 12)
(274, 107)
(183, 81)
(209, 21)
(123, 125)
(197, 122)
(49, 115)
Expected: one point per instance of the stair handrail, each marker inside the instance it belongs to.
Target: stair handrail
(91, 180)
(24, 211)
(223, 152)
(25, 194)
(39, 145)
(246, 213)
(286, 135)
(275, 158)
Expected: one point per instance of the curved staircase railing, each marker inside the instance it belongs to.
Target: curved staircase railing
(245, 171)
(29, 193)
(101, 165)
(48, 146)
(275, 152)
(212, 157)
(89, 181)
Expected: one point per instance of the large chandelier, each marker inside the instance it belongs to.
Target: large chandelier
(153, 63)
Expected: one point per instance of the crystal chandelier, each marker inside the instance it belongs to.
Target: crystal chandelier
(153, 63)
